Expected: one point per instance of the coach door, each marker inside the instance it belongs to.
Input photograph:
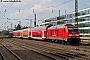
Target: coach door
(42, 34)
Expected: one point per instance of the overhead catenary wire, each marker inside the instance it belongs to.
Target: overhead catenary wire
(6, 10)
(17, 8)
(42, 11)
(9, 7)
(54, 7)
(37, 4)
(57, 6)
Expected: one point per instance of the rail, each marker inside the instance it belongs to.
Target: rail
(49, 51)
(3, 58)
(10, 52)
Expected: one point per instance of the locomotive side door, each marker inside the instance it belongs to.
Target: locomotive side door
(64, 33)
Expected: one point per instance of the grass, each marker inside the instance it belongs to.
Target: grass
(89, 51)
(3, 41)
(84, 49)
(88, 43)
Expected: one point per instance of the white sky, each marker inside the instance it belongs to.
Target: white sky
(43, 9)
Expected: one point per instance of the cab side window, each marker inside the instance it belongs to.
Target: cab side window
(64, 30)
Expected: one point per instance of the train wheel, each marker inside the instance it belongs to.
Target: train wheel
(56, 40)
(66, 42)
(63, 42)
(52, 40)
(45, 40)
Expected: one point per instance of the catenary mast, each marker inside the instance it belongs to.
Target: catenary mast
(76, 12)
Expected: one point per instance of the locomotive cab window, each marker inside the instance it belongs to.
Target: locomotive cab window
(73, 29)
(70, 29)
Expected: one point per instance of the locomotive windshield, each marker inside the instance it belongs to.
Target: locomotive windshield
(72, 29)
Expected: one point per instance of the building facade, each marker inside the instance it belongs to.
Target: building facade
(83, 21)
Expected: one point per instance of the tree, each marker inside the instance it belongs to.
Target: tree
(4, 32)
(18, 27)
(24, 27)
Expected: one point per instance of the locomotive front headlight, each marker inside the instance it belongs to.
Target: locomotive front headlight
(77, 34)
(70, 34)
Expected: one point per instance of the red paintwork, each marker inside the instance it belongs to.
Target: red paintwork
(25, 33)
(55, 33)
(62, 32)
(17, 33)
(14, 34)
(37, 32)
(51, 33)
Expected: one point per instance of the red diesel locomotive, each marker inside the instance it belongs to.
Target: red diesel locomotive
(67, 33)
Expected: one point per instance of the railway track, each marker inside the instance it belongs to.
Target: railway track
(7, 54)
(50, 52)
(38, 51)
(1, 56)
(22, 47)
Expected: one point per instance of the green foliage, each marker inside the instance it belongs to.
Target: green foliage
(0, 32)
(79, 25)
(4, 32)
(47, 20)
(89, 43)
(84, 49)
(79, 20)
(18, 27)
(46, 24)
(24, 27)
(78, 14)
(59, 22)
(89, 51)
(59, 18)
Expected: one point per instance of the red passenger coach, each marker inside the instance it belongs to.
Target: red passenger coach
(17, 33)
(38, 33)
(25, 33)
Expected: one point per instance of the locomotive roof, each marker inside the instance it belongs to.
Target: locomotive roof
(39, 28)
(60, 26)
(26, 29)
(17, 30)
